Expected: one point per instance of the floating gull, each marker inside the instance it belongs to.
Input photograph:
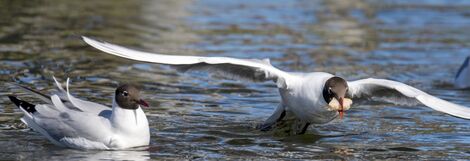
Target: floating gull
(71, 122)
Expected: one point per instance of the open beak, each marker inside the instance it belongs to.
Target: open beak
(341, 111)
(143, 103)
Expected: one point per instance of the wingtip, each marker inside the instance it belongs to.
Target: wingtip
(84, 38)
(26, 106)
(59, 86)
(14, 99)
(67, 84)
(87, 40)
(91, 41)
(95, 43)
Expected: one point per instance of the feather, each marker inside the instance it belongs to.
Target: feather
(399, 92)
(245, 69)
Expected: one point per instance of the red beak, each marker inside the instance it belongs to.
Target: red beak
(341, 111)
(143, 103)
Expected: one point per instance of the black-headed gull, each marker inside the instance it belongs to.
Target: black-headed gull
(71, 122)
(462, 79)
(310, 97)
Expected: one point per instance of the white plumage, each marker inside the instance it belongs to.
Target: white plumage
(400, 93)
(301, 92)
(71, 122)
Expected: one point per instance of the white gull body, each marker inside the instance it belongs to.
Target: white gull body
(301, 92)
(74, 123)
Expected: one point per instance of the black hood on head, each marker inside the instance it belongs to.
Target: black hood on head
(334, 87)
(128, 96)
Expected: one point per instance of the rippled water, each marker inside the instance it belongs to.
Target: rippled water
(193, 116)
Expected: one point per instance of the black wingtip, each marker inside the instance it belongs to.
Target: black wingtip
(22, 104)
(15, 100)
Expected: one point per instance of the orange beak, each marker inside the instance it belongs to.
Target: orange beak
(341, 111)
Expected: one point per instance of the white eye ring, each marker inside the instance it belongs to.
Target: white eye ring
(329, 90)
(125, 93)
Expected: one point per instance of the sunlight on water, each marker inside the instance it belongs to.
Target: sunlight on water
(197, 116)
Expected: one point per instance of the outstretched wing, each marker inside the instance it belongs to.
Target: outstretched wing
(249, 69)
(399, 93)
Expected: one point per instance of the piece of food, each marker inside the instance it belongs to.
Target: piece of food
(334, 105)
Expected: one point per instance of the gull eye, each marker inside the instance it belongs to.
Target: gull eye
(125, 93)
(329, 90)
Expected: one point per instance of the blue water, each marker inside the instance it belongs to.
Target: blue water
(198, 116)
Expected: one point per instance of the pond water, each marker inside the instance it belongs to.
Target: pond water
(197, 116)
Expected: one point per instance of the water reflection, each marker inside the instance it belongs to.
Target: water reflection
(100, 155)
(68, 154)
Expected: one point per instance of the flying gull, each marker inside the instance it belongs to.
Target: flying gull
(313, 98)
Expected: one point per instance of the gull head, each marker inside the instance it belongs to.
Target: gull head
(128, 97)
(334, 93)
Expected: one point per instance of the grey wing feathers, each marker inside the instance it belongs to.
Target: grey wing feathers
(373, 92)
(248, 69)
(374, 87)
(228, 70)
(56, 122)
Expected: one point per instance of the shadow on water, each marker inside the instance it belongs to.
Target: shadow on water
(199, 116)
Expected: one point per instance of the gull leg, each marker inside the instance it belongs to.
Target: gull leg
(277, 116)
(304, 128)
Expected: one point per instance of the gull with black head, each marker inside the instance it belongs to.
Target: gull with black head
(311, 98)
(74, 123)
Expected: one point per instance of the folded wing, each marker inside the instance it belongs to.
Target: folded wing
(248, 69)
(64, 126)
(71, 101)
(399, 93)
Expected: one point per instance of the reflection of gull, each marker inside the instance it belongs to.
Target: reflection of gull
(71, 122)
(106, 155)
(311, 97)
(462, 79)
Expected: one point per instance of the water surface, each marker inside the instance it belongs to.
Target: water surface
(193, 116)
